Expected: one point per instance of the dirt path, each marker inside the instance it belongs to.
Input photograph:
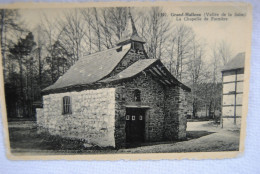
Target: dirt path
(201, 136)
(215, 139)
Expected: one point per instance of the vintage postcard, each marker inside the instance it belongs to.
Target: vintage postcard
(125, 80)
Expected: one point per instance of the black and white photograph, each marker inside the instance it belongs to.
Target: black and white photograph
(125, 79)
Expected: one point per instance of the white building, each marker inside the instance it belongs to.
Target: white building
(232, 93)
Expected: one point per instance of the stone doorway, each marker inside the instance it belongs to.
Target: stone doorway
(135, 125)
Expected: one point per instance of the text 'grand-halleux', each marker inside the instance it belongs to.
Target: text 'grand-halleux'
(207, 16)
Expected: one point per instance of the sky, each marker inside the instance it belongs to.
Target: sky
(232, 29)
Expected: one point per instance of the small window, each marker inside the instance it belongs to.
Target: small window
(137, 46)
(137, 95)
(140, 117)
(127, 117)
(133, 117)
(66, 105)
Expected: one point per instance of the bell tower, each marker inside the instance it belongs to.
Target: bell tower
(130, 36)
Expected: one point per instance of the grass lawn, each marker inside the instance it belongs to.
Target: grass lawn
(201, 137)
(25, 139)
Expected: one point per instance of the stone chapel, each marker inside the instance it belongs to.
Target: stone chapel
(116, 97)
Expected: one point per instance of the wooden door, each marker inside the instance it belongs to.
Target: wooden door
(135, 125)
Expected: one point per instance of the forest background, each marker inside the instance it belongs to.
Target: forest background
(35, 53)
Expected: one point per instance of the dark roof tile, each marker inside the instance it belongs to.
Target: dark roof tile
(138, 67)
(132, 70)
(90, 69)
(236, 63)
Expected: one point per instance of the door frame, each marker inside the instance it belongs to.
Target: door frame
(144, 131)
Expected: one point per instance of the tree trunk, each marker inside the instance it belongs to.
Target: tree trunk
(3, 40)
(21, 87)
(40, 68)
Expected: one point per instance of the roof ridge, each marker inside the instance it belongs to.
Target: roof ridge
(237, 62)
(103, 51)
(131, 66)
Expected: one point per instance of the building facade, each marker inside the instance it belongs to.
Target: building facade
(232, 93)
(116, 97)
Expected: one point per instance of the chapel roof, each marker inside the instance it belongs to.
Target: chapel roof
(152, 66)
(236, 63)
(132, 70)
(90, 69)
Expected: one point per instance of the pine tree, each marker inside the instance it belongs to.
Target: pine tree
(21, 52)
(58, 61)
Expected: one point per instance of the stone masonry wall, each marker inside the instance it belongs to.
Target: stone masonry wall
(171, 113)
(152, 94)
(40, 117)
(166, 117)
(92, 119)
(182, 113)
(131, 57)
(120, 112)
(175, 113)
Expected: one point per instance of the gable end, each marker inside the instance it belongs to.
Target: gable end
(130, 57)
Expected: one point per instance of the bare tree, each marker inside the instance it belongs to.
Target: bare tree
(106, 29)
(87, 16)
(142, 21)
(117, 21)
(155, 31)
(196, 73)
(220, 56)
(171, 55)
(72, 31)
(96, 28)
(183, 37)
(50, 33)
(215, 72)
(39, 52)
(105, 26)
(224, 52)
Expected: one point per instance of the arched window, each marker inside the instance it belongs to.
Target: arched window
(66, 105)
(137, 95)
